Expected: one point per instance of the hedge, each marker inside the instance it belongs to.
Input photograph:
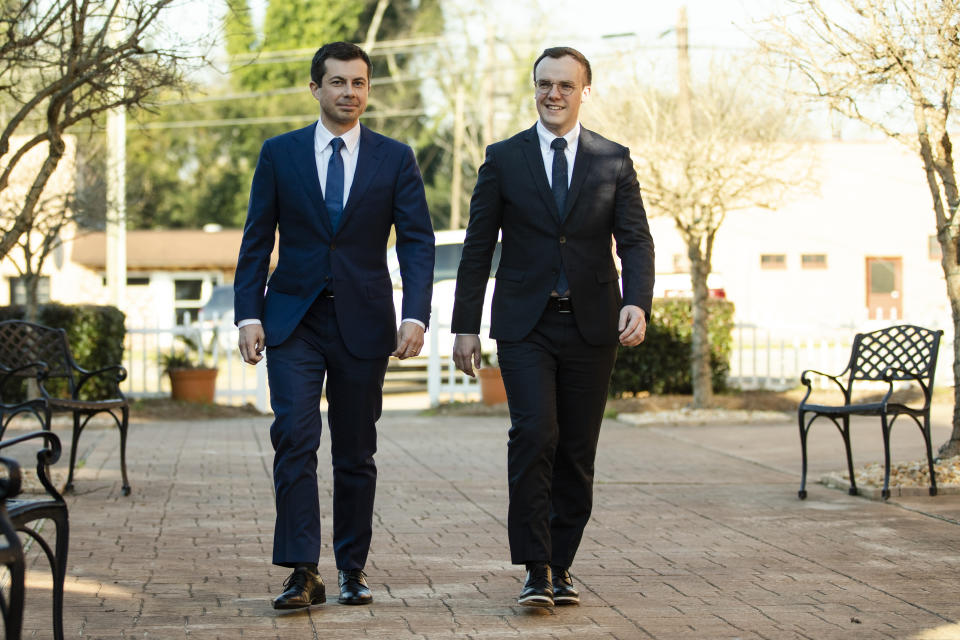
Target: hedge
(661, 364)
(95, 335)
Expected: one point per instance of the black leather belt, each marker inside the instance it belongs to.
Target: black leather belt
(560, 304)
(326, 293)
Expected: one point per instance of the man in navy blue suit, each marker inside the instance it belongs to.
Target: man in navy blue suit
(333, 190)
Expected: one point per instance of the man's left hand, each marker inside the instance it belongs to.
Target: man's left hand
(632, 325)
(409, 340)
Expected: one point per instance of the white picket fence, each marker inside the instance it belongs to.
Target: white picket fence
(762, 358)
(237, 382)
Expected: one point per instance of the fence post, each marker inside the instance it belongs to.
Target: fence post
(263, 396)
(433, 362)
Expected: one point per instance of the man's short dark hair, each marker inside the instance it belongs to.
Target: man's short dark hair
(560, 52)
(337, 51)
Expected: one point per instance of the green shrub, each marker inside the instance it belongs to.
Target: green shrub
(661, 364)
(95, 335)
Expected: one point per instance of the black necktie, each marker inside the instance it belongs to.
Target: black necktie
(333, 194)
(559, 187)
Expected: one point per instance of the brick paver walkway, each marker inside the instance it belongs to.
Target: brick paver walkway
(697, 533)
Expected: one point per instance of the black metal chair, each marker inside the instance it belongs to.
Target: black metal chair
(11, 555)
(22, 511)
(23, 344)
(899, 353)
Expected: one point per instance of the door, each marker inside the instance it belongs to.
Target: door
(884, 288)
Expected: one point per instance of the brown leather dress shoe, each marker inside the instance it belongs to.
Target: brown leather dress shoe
(353, 588)
(537, 590)
(563, 590)
(302, 589)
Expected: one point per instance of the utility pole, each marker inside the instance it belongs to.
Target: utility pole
(488, 86)
(456, 183)
(683, 69)
(116, 223)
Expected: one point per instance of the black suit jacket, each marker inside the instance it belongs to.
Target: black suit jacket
(513, 196)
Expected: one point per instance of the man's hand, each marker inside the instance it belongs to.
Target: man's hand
(251, 343)
(466, 353)
(409, 340)
(632, 326)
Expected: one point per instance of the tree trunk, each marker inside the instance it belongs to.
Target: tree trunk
(31, 282)
(700, 373)
(952, 446)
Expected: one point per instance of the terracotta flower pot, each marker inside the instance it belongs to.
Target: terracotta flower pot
(193, 385)
(491, 386)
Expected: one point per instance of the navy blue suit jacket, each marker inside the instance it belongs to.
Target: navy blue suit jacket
(286, 196)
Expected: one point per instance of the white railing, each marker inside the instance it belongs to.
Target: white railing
(237, 382)
(761, 358)
(443, 378)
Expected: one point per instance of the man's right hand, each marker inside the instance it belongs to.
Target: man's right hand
(251, 343)
(466, 353)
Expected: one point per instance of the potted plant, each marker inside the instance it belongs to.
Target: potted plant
(492, 390)
(191, 379)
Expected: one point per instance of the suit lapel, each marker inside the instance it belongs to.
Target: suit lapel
(305, 161)
(367, 164)
(531, 150)
(581, 167)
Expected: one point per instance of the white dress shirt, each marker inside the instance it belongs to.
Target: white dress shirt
(546, 137)
(322, 152)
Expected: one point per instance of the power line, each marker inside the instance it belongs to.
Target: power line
(232, 122)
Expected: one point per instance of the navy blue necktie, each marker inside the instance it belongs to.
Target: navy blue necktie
(333, 193)
(559, 188)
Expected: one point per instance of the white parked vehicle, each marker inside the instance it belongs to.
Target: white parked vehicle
(449, 248)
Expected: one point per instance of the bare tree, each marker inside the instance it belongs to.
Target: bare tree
(724, 149)
(886, 63)
(63, 62)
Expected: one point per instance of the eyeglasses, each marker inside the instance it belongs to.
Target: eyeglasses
(565, 88)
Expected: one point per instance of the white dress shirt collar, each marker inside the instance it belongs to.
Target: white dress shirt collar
(546, 136)
(322, 138)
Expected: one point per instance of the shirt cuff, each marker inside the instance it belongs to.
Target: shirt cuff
(244, 323)
(416, 322)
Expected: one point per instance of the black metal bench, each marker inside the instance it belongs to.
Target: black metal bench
(17, 513)
(899, 353)
(23, 344)
(11, 554)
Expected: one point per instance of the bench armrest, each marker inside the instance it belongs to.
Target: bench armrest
(10, 486)
(888, 374)
(119, 375)
(805, 381)
(48, 455)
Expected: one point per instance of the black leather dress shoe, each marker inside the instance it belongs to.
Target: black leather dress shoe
(302, 589)
(537, 590)
(353, 588)
(563, 590)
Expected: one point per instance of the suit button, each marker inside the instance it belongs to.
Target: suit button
(333, 247)
(563, 239)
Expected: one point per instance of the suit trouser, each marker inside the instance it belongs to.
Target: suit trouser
(557, 388)
(296, 369)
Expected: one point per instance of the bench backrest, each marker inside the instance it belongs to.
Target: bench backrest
(23, 342)
(909, 349)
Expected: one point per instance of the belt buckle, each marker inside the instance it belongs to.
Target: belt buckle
(563, 305)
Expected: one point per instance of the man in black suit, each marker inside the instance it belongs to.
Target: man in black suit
(557, 192)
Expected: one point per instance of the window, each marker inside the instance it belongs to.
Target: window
(933, 249)
(186, 303)
(773, 261)
(813, 261)
(138, 282)
(18, 290)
